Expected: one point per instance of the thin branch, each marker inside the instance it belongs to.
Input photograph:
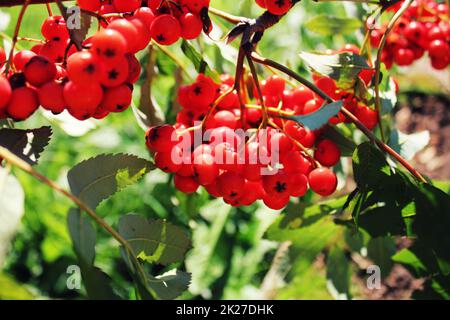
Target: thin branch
(383, 146)
(390, 26)
(226, 16)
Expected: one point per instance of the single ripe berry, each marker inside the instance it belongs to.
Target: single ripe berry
(278, 7)
(54, 28)
(185, 184)
(82, 99)
(24, 102)
(168, 161)
(278, 184)
(327, 153)
(126, 5)
(90, 5)
(403, 56)
(114, 75)
(83, 67)
(202, 92)
(51, 96)
(275, 202)
(295, 162)
(39, 70)
(230, 184)
(5, 92)
(253, 191)
(161, 138)
(195, 6)
(367, 116)
(280, 143)
(117, 99)
(144, 37)
(323, 181)
(191, 26)
(438, 49)
(146, 15)
(261, 3)
(134, 68)
(127, 30)
(205, 169)
(165, 29)
(223, 118)
(21, 58)
(55, 50)
(294, 130)
(109, 45)
(299, 184)
(311, 106)
(274, 86)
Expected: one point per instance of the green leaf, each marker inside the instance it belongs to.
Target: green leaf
(83, 236)
(339, 272)
(343, 67)
(26, 144)
(96, 179)
(199, 63)
(12, 198)
(370, 167)
(407, 145)
(319, 118)
(171, 284)
(330, 25)
(155, 240)
(380, 250)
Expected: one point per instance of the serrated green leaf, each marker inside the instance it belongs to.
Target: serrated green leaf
(154, 240)
(343, 67)
(319, 118)
(96, 179)
(26, 144)
(330, 25)
(199, 63)
(370, 167)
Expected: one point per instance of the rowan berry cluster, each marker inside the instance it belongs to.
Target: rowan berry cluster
(233, 157)
(424, 27)
(168, 20)
(277, 7)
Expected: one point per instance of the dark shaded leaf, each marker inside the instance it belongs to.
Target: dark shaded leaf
(319, 118)
(338, 271)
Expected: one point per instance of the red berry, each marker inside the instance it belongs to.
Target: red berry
(134, 68)
(83, 67)
(213, 189)
(438, 49)
(278, 7)
(185, 184)
(274, 86)
(261, 3)
(21, 58)
(109, 45)
(23, 103)
(167, 161)
(350, 48)
(253, 191)
(54, 28)
(294, 130)
(5, 92)
(231, 184)
(117, 99)
(2, 56)
(128, 31)
(295, 162)
(301, 95)
(275, 202)
(195, 5)
(114, 75)
(90, 5)
(278, 184)
(39, 70)
(311, 106)
(165, 29)
(161, 138)
(146, 15)
(299, 185)
(144, 37)
(327, 153)
(323, 181)
(222, 118)
(191, 26)
(224, 134)
(82, 99)
(403, 57)
(206, 170)
(51, 97)
(367, 116)
(126, 5)
(280, 143)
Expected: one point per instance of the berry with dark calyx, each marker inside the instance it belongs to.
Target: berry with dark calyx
(165, 162)
(322, 181)
(23, 103)
(161, 138)
(253, 191)
(51, 97)
(114, 75)
(83, 67)
(191, 26)
(39, 70)
(117, 99)
(327, 153)
(202, 92)
(109, 45)
(54, 28)
(195, 6)
(230, 184)
(278, 184)
(278, 7)
(185, 184)
(165, 29)
(21, 58)
(82, 99)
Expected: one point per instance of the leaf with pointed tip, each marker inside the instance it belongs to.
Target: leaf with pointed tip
(343, 67)
(330, 25)
(26, 144)
(83, 236)
(319, 118)
(96, 179)
(154, 240)
(199, 63)
(171, 284)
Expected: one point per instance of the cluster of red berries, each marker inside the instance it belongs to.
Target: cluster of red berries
(277, 7)
(232, 158)
(168, 21)
(424, 27)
